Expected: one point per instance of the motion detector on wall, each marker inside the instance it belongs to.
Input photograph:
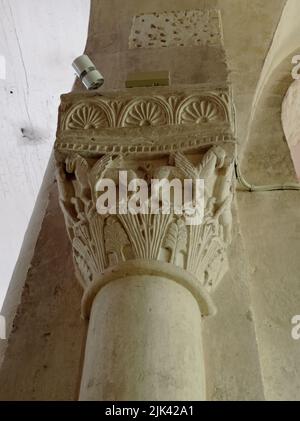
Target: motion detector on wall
(87, 72)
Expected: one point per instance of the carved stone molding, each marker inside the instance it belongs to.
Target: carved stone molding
(142, 142)
(102, 243)
(156, 110)
(163, 121)
(91, 111)
(147, 111)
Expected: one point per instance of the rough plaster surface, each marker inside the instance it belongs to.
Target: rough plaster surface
(272, 221)
(232, 361)
(182, 28)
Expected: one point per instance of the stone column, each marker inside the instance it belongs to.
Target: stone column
(144, 339)
(146, 278)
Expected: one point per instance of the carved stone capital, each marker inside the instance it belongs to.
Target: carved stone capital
(166, 136)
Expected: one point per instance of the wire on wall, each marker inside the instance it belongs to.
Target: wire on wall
(254, 188)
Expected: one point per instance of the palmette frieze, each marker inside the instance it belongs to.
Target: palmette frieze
(93, 124)
(95, 112)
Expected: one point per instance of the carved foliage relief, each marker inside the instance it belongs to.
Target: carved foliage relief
(100, 241)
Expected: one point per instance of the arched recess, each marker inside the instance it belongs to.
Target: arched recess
(267, 158)
(265, 135)
(286, 41)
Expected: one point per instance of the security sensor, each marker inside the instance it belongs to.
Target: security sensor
(87, 72)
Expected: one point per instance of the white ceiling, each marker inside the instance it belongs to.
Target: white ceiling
(39, 40)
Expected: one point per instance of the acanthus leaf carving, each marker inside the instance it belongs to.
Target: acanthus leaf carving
(99, 240)
(115, 239)
(176, 239)
(146, 233)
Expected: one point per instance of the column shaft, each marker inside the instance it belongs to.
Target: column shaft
(144, 343)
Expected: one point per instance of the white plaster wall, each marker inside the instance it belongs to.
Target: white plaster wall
(38, 39)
